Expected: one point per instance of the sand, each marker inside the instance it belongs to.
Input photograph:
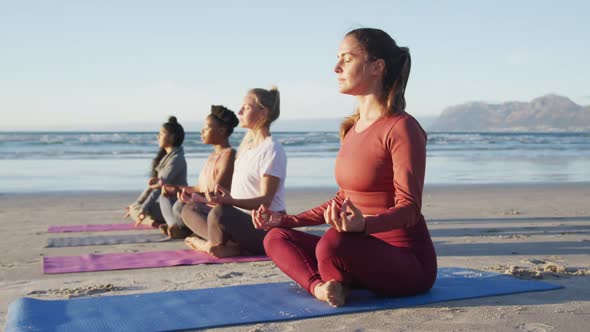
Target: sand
(539, 231)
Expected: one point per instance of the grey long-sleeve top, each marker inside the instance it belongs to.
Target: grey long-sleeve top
(172, 169)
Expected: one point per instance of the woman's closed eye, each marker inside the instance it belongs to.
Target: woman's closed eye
(346, 57)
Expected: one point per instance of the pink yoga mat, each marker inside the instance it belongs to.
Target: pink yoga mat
(139, 260)
(96, 228)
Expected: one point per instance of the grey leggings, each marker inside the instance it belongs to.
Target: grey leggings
(153, 214)
(224, 223)
(171, 210)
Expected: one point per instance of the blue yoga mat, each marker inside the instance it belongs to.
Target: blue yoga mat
(236, 305)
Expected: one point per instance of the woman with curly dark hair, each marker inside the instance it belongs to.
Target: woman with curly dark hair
(218, 170)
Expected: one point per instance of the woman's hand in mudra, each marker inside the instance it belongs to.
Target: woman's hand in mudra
(184, 196)
(266, 219)
(190, 196)
(169, 190)
(346, 219)
(220, 196)
(127, 212)
(155, 183)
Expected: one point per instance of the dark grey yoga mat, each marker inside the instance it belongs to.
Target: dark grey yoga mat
(104, 240)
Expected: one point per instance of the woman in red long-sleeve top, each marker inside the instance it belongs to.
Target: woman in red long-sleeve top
(378, 237)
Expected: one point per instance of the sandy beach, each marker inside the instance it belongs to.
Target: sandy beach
(534, 231)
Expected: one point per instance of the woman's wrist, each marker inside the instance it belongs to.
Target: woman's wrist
(366, 223)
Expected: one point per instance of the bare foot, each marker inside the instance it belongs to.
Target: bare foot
(196, 243)
(219, 250)
(332, 292)
(228, 249)
(155, 223)
(178, 232)
(164, 229)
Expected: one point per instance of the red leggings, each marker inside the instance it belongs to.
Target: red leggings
(353, 259)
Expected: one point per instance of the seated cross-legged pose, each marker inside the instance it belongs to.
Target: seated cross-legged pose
(378, 239)
(219, 125)
(259, 179)
(169, 166)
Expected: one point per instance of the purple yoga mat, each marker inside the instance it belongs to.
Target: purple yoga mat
(139, 260)
(96, 228)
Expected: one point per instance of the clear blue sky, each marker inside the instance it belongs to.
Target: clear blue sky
(95, 63)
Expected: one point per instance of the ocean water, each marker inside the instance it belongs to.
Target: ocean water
(65, 161)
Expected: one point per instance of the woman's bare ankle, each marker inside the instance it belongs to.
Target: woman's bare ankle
(319, 292)
(196, 243)
(332, 292)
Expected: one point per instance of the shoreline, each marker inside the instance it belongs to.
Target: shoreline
(319, 189)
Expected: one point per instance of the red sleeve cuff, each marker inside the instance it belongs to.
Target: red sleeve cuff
(371, 224)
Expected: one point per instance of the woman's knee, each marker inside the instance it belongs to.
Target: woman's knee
(216, 215)
(275, 236)
(177, 209)
(187, 212)
(332, 243)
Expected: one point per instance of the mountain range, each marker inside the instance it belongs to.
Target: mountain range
(549, 113)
